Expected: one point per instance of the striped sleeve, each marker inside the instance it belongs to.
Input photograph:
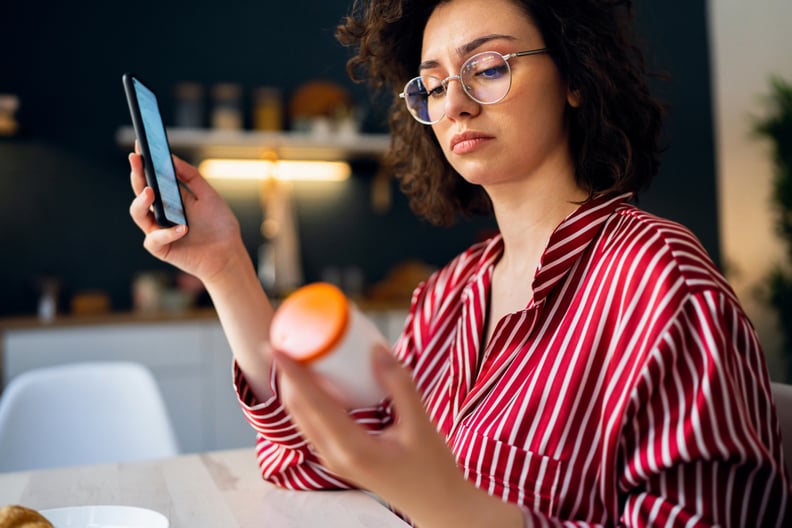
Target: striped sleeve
(284, 456)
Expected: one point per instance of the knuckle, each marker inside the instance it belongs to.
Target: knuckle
(345, 461)
(148, 244)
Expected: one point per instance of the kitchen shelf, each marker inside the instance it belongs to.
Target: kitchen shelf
(207, 143)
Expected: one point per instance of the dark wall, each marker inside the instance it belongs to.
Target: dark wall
(64, 189)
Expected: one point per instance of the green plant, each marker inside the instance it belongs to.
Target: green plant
(777, 127)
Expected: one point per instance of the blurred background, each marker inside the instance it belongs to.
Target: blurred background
(64, 187)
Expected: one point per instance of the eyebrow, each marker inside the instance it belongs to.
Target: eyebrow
(467, 48)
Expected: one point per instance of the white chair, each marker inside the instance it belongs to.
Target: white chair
(83, 413)
(782, 394)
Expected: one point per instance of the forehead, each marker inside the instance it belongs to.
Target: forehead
(455, 23)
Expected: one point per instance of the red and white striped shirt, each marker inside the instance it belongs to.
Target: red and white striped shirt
(631, 391)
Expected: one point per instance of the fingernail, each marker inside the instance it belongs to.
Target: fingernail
(181, 229)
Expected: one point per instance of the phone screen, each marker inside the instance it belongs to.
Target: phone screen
(157, 156)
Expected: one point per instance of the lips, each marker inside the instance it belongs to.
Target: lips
(468, 141)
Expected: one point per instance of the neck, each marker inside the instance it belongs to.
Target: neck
(527, 212)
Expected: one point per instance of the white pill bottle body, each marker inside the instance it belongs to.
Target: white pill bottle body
(319, 326)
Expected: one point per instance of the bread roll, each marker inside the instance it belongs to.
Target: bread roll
(16, 516)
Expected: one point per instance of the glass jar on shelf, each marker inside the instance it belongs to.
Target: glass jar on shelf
(227, 108)
(189, 105)
(267, 109)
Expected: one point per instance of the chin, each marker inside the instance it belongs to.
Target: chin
(478, 173)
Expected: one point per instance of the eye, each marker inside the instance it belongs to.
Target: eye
(487, 67)
(438, 91)
(496, 72)
(433, 87)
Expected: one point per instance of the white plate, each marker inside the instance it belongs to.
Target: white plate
(105, 517)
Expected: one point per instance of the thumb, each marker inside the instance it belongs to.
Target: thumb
(398, 383)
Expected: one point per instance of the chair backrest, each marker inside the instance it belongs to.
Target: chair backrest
(83, 413)
(782, 394)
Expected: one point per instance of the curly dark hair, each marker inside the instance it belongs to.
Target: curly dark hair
(613, 134)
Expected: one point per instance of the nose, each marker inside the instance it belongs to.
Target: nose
(457, 102)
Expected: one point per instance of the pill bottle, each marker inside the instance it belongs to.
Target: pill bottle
(319, 326)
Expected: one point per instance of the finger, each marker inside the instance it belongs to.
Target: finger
(187, 173)
(158, 240)
(190, 179)
(136, 177)
(397, 382)
(314, 402)
(140, 210)
(137, 147)
(321, 419)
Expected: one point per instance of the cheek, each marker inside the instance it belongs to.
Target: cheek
(442, 133)
(537, 110)
(544, 89)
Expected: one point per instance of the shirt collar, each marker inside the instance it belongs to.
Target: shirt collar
(567, 242)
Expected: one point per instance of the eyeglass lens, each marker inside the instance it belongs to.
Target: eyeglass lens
(485, 78)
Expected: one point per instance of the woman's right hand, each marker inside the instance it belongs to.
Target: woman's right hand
(214, 233)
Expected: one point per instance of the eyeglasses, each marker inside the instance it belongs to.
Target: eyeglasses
(485, 77)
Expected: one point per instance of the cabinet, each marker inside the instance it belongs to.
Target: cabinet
(189, 357)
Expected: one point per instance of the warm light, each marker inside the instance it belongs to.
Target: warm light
(312, 170)
(280, 170)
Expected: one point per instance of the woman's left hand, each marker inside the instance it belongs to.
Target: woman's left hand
(408, 464)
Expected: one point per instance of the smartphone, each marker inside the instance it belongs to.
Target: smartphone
(154, 148)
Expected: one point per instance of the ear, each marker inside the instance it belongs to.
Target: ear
(573, 98)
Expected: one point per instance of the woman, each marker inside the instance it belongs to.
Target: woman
(587, 364)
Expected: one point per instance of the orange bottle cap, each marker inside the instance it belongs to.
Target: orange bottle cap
(310, 322)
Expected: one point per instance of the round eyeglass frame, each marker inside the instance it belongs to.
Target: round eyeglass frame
(458, 77)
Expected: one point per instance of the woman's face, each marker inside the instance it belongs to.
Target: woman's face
(521, 137)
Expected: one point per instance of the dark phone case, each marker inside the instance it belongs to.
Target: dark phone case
(140, 132)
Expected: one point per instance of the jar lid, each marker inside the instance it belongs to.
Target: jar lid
(310, 321)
